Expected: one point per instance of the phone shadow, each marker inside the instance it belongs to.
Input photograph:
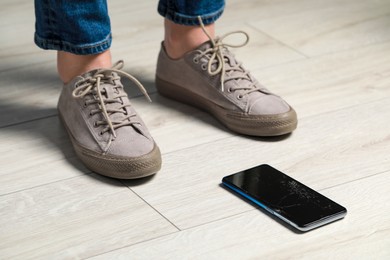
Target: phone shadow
(137, 182)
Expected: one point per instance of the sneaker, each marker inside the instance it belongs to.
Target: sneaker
(106, 132)
(210, 78)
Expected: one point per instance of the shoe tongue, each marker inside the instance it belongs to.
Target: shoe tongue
(229, 58)
(89, 74)
(110, 90)
(230, 61)
(204, 46)
(245, 81)
(109, 86)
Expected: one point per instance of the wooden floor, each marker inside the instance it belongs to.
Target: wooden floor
(329, 59)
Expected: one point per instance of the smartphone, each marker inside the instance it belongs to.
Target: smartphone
(284, 197)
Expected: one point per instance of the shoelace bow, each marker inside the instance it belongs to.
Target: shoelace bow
(217, 56)
(92, 85)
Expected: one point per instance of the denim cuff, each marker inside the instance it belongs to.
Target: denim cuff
(83, 49)
(184, 19)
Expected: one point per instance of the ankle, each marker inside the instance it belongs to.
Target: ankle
(180, 39)
(71, 65)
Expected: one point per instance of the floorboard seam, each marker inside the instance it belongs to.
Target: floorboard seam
(158, 212)
(358, 179)
(278, 41)
(44, 184)
(151, 239)
(130, 245)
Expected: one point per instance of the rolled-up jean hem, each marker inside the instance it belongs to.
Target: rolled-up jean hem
(82, 49)
(183, 19)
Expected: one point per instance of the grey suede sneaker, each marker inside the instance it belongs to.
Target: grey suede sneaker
(105, 130)
(210, 78)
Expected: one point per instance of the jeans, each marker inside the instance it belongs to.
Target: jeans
(83, 27)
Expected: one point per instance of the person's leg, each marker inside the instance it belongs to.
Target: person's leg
(106, 132)
(181, 27)
(66, 26)
(180, 39)
(197, 68)
(70, 65)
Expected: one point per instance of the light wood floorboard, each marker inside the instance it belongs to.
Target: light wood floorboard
(363, 234)
(315, 27)
(319, 154)
(329, 59)
(331, 81)
(75, 218)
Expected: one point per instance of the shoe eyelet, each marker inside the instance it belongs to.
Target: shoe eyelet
(90, 113)
(196, 60)
(85, 105)
(239, 97)
(229, 90)
(204, 67)
(100, 133)
(95, 124)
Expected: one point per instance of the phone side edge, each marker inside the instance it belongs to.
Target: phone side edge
(242, 193)
(325, 221)
(272, 212)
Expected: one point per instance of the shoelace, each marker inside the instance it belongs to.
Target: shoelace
(91, 85)
(217, 56)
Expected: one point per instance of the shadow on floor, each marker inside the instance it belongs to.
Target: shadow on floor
(42, 122)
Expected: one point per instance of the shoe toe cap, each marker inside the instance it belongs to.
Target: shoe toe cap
(268, 105)
(131, 145)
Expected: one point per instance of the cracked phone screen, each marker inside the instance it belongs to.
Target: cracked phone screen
(284, 195)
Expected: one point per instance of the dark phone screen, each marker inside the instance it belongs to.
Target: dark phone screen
(284, 195)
